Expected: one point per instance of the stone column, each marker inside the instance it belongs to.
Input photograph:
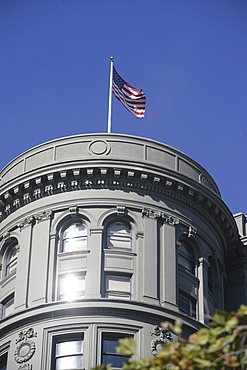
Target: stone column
(202, 294)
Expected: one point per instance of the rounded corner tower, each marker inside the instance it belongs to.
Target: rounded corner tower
(104, 236)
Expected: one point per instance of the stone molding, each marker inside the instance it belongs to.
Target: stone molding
(139, 310)
(112, 178)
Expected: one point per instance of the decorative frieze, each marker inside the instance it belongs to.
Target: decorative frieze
(160, 215)
(117, 178)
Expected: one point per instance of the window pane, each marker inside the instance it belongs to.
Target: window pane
(187, 305)
(184, 304)
(185, 258)
(185, 250)
(75, 230)
(116, 360)
(118, 236)
(74, 238)
(67, 348)
(8, 307)
(109, 345)
(11, 258)
(71, 286)
(109, 355)
(184, 263)
(76, 244)
(69, 355)
(69, 363)
(3, 362)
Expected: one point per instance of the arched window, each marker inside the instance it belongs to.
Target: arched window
(119, 235)
(185, 257)
(74, 237)
(10, 258)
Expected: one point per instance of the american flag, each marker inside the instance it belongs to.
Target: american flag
(133, 99)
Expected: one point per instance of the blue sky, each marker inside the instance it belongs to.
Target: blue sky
(189, 57)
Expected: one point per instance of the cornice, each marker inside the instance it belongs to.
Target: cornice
(199, 199)
(104, 307)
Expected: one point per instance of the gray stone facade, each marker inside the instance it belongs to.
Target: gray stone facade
(104, 236)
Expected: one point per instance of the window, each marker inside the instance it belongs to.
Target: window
(74, 237)
(109, 354)
(119, 235)
(71, 286)
(10, 259)
(187, 304)
(211, 279)
(8, 306)
(3, 362)
(118, 287)
(185, 258)
(68, 354)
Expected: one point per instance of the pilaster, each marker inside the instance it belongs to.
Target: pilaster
(24, 263)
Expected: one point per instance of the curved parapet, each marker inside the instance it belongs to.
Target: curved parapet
(118, 149)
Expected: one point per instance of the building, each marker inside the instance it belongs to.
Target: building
(104, 236)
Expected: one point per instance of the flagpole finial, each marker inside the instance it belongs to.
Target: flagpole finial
(111, 58)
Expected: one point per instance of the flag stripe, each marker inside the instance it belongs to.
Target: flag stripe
(137, 111)
(132, 99)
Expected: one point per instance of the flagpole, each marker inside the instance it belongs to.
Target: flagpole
(110, 96)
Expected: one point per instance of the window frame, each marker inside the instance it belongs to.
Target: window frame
(10, 299)
(73, 273)
(8, 262)
(112, 336)
(66, 338)
(4, 361)
(192, 312)
(187, 257)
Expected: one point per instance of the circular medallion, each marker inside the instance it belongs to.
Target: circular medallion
(24, 351)
(99, 147)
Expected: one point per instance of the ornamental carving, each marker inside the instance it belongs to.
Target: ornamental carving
(25, 367)
(191, 232)
(27, 221)
(45, 215)
(25, 347)
(163, 337)
(26, 334)
(160, 215)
